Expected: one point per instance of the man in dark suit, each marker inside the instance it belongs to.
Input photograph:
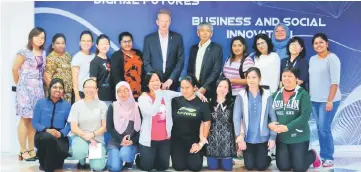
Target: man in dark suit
(205, 60)
(163, 52)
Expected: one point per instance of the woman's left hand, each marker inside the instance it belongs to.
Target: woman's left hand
(93, 142)
(195, 148)
(329, 106)
(202, 97)
(271, 144)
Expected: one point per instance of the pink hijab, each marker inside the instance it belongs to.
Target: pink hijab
(125, 111)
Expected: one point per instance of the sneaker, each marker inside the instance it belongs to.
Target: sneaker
(80, 167)
(327, 163)
(128, 166)
(317, 162)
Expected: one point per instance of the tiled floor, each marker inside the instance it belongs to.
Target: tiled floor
(10, 163)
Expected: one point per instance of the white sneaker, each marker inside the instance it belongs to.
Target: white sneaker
(327, 163)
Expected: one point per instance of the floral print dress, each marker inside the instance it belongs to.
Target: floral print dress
(30, 87)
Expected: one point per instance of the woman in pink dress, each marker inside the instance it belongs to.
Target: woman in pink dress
(28, 69)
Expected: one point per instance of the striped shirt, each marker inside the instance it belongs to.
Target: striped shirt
(231, 71)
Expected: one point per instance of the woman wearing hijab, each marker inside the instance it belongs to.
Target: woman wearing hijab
(50, 123)
(123, 124)
(280, 38)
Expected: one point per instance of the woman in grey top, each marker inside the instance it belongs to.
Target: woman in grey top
(88, 123)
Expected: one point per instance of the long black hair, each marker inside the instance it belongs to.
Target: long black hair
(322, 36)
(245, 48)
(146, 80)
(258, 72)
(268, 42)
(228, 101)
(102, 36)
(191, 79)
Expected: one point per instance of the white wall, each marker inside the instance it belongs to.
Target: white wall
(17, 19)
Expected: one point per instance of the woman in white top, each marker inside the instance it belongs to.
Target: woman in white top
(80, 65)
(267, 61)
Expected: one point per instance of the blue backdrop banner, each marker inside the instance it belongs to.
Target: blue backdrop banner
(339, 20)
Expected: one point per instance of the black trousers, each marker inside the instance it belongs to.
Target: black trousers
(51, 151)
(294, 156)
(182, 159)
(81, 94)
(256, 156)
(154, 157)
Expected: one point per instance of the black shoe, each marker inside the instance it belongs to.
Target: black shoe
(79, 166)
(41, 168)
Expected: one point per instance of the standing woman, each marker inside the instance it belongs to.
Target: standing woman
(237, 64)
(296, 58)
(156, 129)
(100, 69)
(191, 124)
(52, 128)
(80, 65)
(123, 124)
(221, 148)
(252, 113)
(280, 37)
(58, 65)
(28, 71)
(293, 108)
(267, 61)
(127, 64)
(325, 72)
(88, 123)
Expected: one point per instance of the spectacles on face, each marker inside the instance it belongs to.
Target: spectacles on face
(295, 44)
(127, 42)
(261, 44)
(123, 91)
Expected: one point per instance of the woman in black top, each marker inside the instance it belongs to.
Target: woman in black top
(191, 124)
(221, 147)
(100, 69)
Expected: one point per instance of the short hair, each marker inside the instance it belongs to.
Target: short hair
(302, 44)
(293, 70)
(87, 32)
(209, 25)
(268, 41)
(322, 36)
(90, 79)
(123, 34)
(33, 33)
(147, 78)
(191, 79)
(163, 11)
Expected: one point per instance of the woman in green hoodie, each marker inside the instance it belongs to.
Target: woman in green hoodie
(293, 108)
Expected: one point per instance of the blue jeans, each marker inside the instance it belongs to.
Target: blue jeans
(213, 163)
(116, 157)
(324, 120)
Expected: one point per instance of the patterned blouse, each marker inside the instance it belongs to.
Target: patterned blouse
(133, 72)
(60, 67)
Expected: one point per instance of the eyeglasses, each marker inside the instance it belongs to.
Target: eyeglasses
(261, 44)
(127, 42)
(123, 91)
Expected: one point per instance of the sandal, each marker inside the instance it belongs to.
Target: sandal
(21, 157)
(35, 157)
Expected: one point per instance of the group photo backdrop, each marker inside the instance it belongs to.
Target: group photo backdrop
(340, 21)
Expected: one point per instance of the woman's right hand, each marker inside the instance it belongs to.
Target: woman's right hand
(241, 143)
(54, 132)
(88, 136)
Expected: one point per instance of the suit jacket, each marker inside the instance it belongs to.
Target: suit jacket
(117, 67)
(211, 66)
(153, 59)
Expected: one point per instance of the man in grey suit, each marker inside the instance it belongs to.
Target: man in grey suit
(163, 52)
(205, 60)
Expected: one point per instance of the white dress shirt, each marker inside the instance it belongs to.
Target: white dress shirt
(269, 65)
(164, 47)
(200, 55)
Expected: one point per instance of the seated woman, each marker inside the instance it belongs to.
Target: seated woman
(123, 124)
(252, 113)
(156, 129)
(221, 148)
(87, 119)
(50, 116)
(293, 108)
(191, 124)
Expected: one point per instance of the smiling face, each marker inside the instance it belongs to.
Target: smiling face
(204, 33)
(126, 43)
(320, 45)
(90, 89)
(237, 48)
(123, 93)
(59, 45)
(187, 89)
(262, 46)
(295, 48)
(222, 89)
(154, 83)
(103, 46)
(280, 34)
(289, 80)
(86, 42)
(39, 40)
(163, 22)
(57, 91)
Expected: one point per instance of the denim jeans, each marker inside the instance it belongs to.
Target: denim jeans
(324, 120)
(116, 157)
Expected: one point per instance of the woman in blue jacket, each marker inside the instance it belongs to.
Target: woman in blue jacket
(50, 123)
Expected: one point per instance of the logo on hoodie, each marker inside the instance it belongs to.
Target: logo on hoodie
(291, 104)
